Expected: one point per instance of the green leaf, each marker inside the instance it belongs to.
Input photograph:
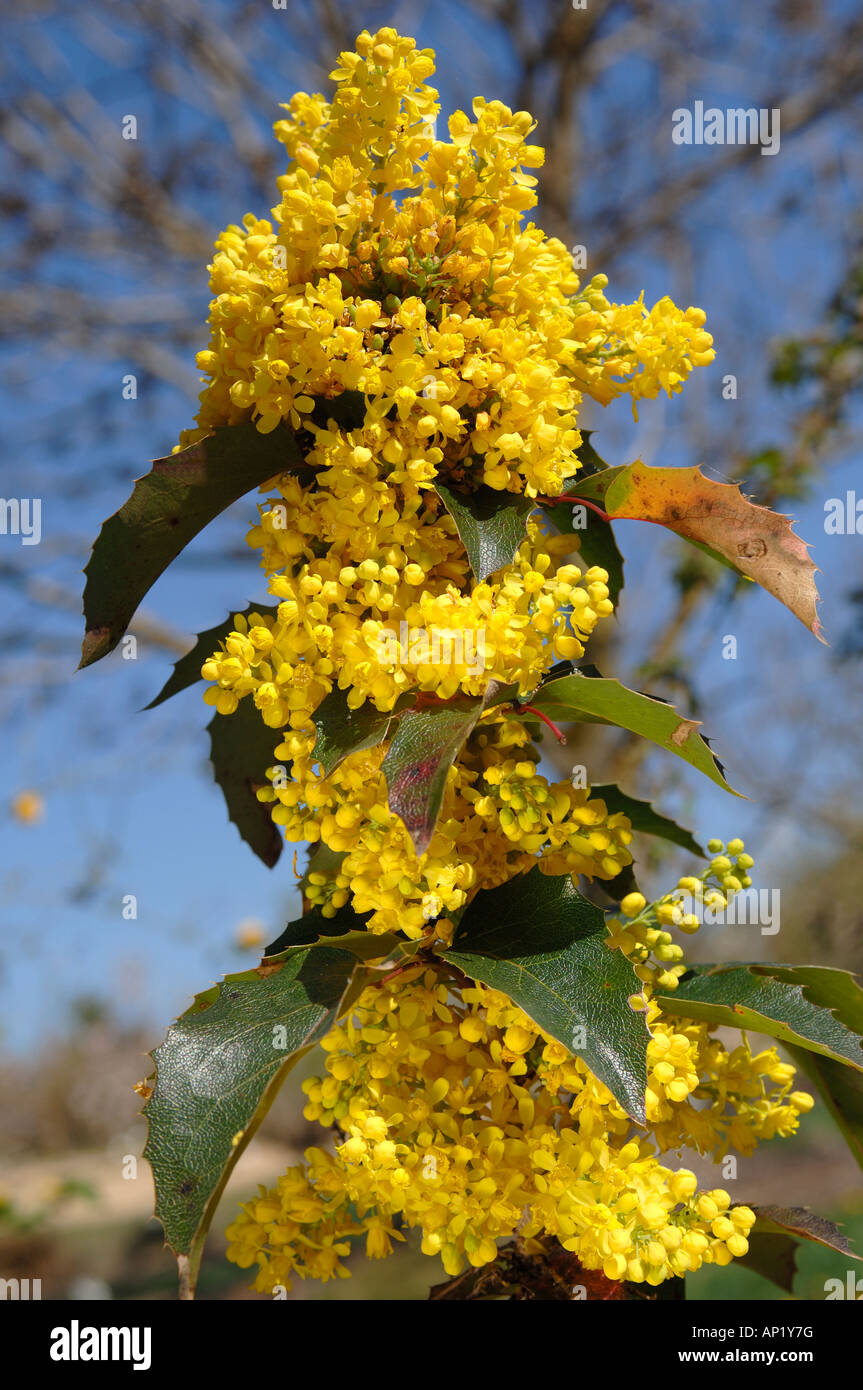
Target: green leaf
(775, 1239)
(491, 525)
(344, 932)
(544, 945)
(168, 507)
(773, 1256)
(832, 989)
(803, 1224)
(241, 750)
(424, 746)
(603, 701)
(643, 817)
(596, 485)
(499, 694)
(308, 929)
(188, 669)
(217, 1073)
(791, 1004)
(367, 945)
(342, 730)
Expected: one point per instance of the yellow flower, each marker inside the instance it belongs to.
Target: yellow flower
(467, 341)
(442, 1125)
(27, 807)
(249, 934)
(396, 275)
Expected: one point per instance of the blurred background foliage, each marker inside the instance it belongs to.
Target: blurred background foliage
(105, 241)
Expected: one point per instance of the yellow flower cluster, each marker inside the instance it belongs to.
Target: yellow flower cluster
(644, 937)
(344, 616)
(469, 333)
(498, 816)
(694, 1063)
(458, 1116)
(397, 277)
(398, 267)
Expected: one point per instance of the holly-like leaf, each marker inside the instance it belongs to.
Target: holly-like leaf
(642, 816)
(345, 931)
(596, 485)
(216, 1076)
(794, 1004)
(802, 1224)
(168, 507)
(838, 990)
(491, 525)
(603, 701)
(538, 940)
(775, 1239)
(754, 541)
(499, 694)
(312, 926)
(241, 749)
(188, 669)
(773, 1256)
(840, 1086)
(424, 746)
(342, 730)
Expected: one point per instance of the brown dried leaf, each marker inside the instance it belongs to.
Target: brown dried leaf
(753, 540)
